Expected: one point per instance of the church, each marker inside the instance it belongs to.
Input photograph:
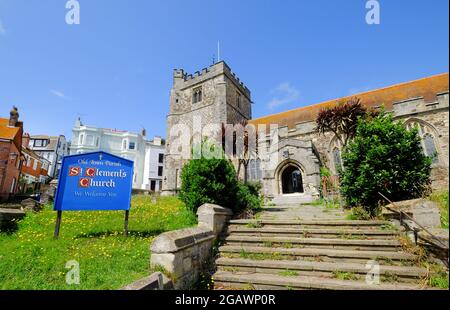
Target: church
(215, 95)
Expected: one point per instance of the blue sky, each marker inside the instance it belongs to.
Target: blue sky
(115, 68)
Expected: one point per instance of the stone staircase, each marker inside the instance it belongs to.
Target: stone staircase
(292, 199)
(314, 254)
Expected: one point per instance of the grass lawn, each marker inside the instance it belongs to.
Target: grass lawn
(31, 259)
(442, 199)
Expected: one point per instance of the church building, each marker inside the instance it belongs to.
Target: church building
(215, 95)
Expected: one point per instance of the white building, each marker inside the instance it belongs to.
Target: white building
(154, 163)
(133, 146)
(51, 148)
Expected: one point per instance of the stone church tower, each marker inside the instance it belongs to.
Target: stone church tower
(214, 95)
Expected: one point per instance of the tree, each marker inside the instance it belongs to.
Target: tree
(384, 157)
(248, 149)
(342, 119)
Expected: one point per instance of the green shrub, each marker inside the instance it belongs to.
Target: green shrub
(384, 157)
(359, 213)
(209, 181)
(249, 196)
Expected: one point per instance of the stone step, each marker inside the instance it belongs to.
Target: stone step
(312, 232)
(320, 269)
(252, 223)
(293, 242)
(294, 199)
(317, 254)
(270, 281)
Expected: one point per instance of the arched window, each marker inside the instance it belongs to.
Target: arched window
(337, 159)
(254, 171)
(426, 134)
(430, 147)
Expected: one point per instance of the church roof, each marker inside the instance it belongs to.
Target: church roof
(427, 88)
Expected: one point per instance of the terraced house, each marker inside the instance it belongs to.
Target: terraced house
(216, 95)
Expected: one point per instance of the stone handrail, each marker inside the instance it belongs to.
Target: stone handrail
(183, 253)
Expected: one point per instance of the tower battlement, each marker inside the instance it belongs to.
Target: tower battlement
(182, 79)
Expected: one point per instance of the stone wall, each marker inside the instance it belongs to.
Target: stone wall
(220, 88)
(184, 253)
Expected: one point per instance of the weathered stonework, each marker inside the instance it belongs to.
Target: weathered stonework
(220, 90)
(423, 103)
(183, 253)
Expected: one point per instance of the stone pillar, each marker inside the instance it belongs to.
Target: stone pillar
(183, 253)
(213, 217)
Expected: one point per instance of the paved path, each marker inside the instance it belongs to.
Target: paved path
(302, 212)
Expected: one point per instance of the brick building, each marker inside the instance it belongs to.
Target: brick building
(11, 131)
(34, 171)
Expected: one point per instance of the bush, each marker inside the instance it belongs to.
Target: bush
(359, 213)
(249, 196)
(209, 181)
(384, 157)
(214, 181)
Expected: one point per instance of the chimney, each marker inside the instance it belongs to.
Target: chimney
(26, 140)
(157, 140)
(13, 117)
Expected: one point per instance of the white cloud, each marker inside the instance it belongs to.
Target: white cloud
(58, 93)
(283, 94)
(2, 29)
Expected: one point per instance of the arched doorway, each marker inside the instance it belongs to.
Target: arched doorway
(291, 180)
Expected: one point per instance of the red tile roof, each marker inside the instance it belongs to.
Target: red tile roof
(6, 132)
(426, 87)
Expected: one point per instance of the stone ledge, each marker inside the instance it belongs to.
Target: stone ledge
(209, 208)
(151, 282)
(177, 240)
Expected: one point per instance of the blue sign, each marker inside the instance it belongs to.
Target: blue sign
(94, 181)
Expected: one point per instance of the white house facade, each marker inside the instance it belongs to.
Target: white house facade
(51, 148)
(126, 144)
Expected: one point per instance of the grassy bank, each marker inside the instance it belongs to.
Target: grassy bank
(441, 198)
(31, 259)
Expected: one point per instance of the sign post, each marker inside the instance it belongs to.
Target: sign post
(96, 181)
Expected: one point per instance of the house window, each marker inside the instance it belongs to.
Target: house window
(337, 160)
(13, 186)
(161, 158)
(90, 140)
(160, 171)
(132, 145)
(197, 95)
(35, 162)
(38, 143)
